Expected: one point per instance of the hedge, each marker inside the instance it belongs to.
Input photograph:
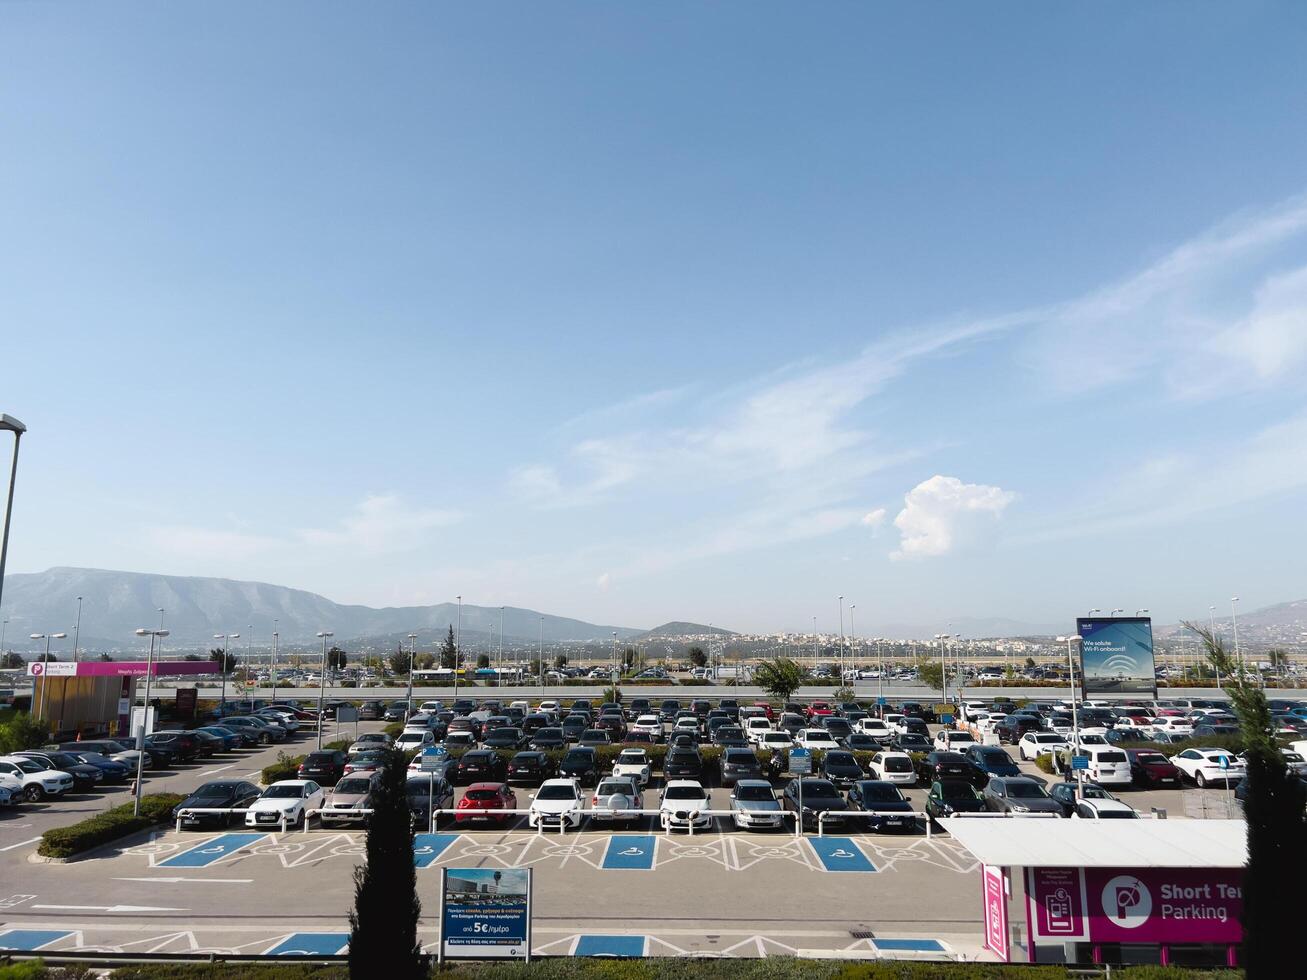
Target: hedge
(286, 767)
(63, 842)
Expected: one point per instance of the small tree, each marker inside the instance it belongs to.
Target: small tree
(697, 657)
(842, 694)
(398, 662)
(449, 651)
(931, 673)
(560, 661)
(483, 660)
(1030, 663)
(104, 658)
(614, 694)
(12, 661)
(218, 657)
(533, 667)
(424, 661)
(1273, 810)
(336, 658)
(47, 658)
(22, 732)
(383, 925)
(780, 678)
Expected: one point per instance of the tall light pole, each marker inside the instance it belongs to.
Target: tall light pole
(458, 644)
(412, 652)
(852, 642)
(540, 664)
(323, 635)
(614, 660)
(45, 679)
(501, 644)
(1234, 626)
(1211, 619)
(814, 642)
(272, 666)
(226, 644)
(841, 639)
(943, 668)
(1115, 611)
(145, 714)
(249, 662)
(77, 628)
(4, 625)
(9, 424)
(1075, 717)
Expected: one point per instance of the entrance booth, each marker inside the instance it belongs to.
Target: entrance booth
(96, 697)
(1111, 891)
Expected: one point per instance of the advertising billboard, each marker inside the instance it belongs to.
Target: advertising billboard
(485, 913)
(1116, 656)
(1136, 905)
(996, 927)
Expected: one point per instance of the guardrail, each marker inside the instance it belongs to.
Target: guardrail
(229, 810)
(868, 814)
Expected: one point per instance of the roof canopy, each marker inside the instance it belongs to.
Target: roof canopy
(1038, 843)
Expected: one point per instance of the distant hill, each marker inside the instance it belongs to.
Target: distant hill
(117, 603)
(671, 630)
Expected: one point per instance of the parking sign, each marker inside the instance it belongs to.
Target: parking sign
(432, 757)
(800, 761)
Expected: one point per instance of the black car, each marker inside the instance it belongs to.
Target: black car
(218, 795)
(504, 738)
(921, 712)
(911, 742)
(582, 764)
(739, 763)
(818, 795)
(184, 744)
(481, 766)
(638, 707)
(730, 736)
(993, 760)
(950, 796)
(915, 726)
(683, 762)
(324, 767)
(545, 739)
(530, 768)
(890, 808)
(837, 726)
(792, 723)
(532, 723)
(841, 768)
(574, 725)
(950, 765)
(668, 710)
(85, 777)
(1065, 795)
(113, 770)
(426, 793)
(861, 742)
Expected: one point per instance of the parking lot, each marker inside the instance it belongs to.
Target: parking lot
(720, 890)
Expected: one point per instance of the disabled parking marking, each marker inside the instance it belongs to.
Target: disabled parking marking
(909, 945)
(28, 940)
(630, 852)
(211, 851)
(427, 848)
(609, 946)
(840, 854)
(311, 944)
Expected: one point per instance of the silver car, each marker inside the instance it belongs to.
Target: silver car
(754, 805)
(613, 795)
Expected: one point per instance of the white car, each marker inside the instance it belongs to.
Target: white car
(990, 722)
(1103, 810)
(686, 725)
(413, 739)
(633, 764)
(682, 804)
(817, 738)
(557, 803)
(291, 797)
(13, 786)
(877, 728)
(1204, 766)
(649, 725)
(776, 741)
(432, 706)
(283, 718)
(370, 741)
(893, 767)
(548, 707)
(1035, 744)
(893, 719)
(38, 782)
(756, 727)
(948, 740)
(1173, 725)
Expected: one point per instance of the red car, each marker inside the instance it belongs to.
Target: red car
(818, 709)
(1149, 767)
(766, 706)
(486, 796)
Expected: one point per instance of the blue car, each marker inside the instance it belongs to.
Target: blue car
(230, 739)
(112, 770)
(993, 760)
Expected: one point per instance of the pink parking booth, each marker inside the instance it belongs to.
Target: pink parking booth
(94, 697)
(1116, 892)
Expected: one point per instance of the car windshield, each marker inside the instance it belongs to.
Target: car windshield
(377, 737)
(281, 792)
(840, 759)
(610, 786)
(1025, 791)
(874, 793)
(957, 791)
(358, 786)
(1048, 739)
(556, 793)
(320, 758)
(95, 757)
(578, 758)
(1095, 793)
(996, 757)
(896, 764)
(754, 794)
(632, 758)
(819, 787)
(683, 793)
(27, 765)
(1116, 814)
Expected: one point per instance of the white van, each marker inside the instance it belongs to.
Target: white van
(1108, 765)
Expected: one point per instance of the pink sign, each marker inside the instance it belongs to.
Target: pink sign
(123, 668)
(1165, 905)
(996, 927)
(1057, 903)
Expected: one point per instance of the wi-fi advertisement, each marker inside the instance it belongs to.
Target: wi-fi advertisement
(1116, 656)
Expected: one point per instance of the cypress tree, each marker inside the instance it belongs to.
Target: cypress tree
(383, 925)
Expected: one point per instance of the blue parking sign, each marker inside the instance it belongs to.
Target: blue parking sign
(1080, 762)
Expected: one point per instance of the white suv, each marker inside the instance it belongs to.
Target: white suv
(38, 782)
(756, 727)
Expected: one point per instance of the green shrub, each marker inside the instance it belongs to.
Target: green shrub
(339, 745)
(20, 732)
(1044, 762)
(229, 971)
(63, 842)
(31, 970)
(286, 767)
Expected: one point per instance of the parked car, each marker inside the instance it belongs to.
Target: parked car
(348, 799)
(414, 739)
(818, 795)
(1150, 768)
(426, 793)
(683, 763)
(1112, 809)
(1019, 795)
(935, 766)
(504, 738)
(481, 766)
(113, 770)
(951, 740)
(949, 797)
(992, 760)
(39, 781)
(481, 797)
(893, 767)
(682, 804)
(580, 764)
(817, 738)
(841, 768)
(889, 808)
(612, 800)
(324, 767)
(1033, 744)
(85, 777)
(288, 798)
(911, 742)
(1108, 765)
(738, 763)
(557, 804)
(754, 805)
(227, 794)
(1205, 766)
(633, 764)
(530, 768)
(185, 745)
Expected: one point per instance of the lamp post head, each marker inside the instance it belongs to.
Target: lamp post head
(58, 636)
(325, 633)
(36, 636)
(12, 424)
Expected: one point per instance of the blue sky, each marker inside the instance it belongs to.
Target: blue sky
(642, 312)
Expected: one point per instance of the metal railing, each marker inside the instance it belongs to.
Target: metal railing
(232, 809)
(869, 814)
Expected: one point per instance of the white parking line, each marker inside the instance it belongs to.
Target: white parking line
(210, 772)
(20, 844)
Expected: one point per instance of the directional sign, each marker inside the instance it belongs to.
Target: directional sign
(800, 761)
(629, 852)
(211, 851)
(840, 854)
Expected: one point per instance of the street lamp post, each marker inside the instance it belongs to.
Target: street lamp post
(1211, 619)
(943, 668)
(1075, 716)
(226, 645)
(1234, 626)
(145, 715)
(77, 628)
(272, 666)
(249, 662)
(45, 679)
(458, 645)
(10, 424)
(322, 680)
(412, 652)
(540, 664)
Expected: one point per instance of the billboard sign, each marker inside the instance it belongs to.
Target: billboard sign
(485, 913)
(996, 927)
(1116, 656)
(1136, 905)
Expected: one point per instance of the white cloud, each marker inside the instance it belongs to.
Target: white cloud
(208, 544)
(380, 524)
(874, 519)
(602, 582)
(942, 513)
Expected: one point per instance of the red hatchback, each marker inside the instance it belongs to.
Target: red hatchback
(819, 709)
(486, 796)
(1151, 768)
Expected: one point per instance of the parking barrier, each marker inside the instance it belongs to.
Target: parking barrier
(216, 809)
(304, 827)
(822, 814)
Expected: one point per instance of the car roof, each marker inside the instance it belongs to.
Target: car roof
(486, 785)
(753, 782)
(684, 782)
